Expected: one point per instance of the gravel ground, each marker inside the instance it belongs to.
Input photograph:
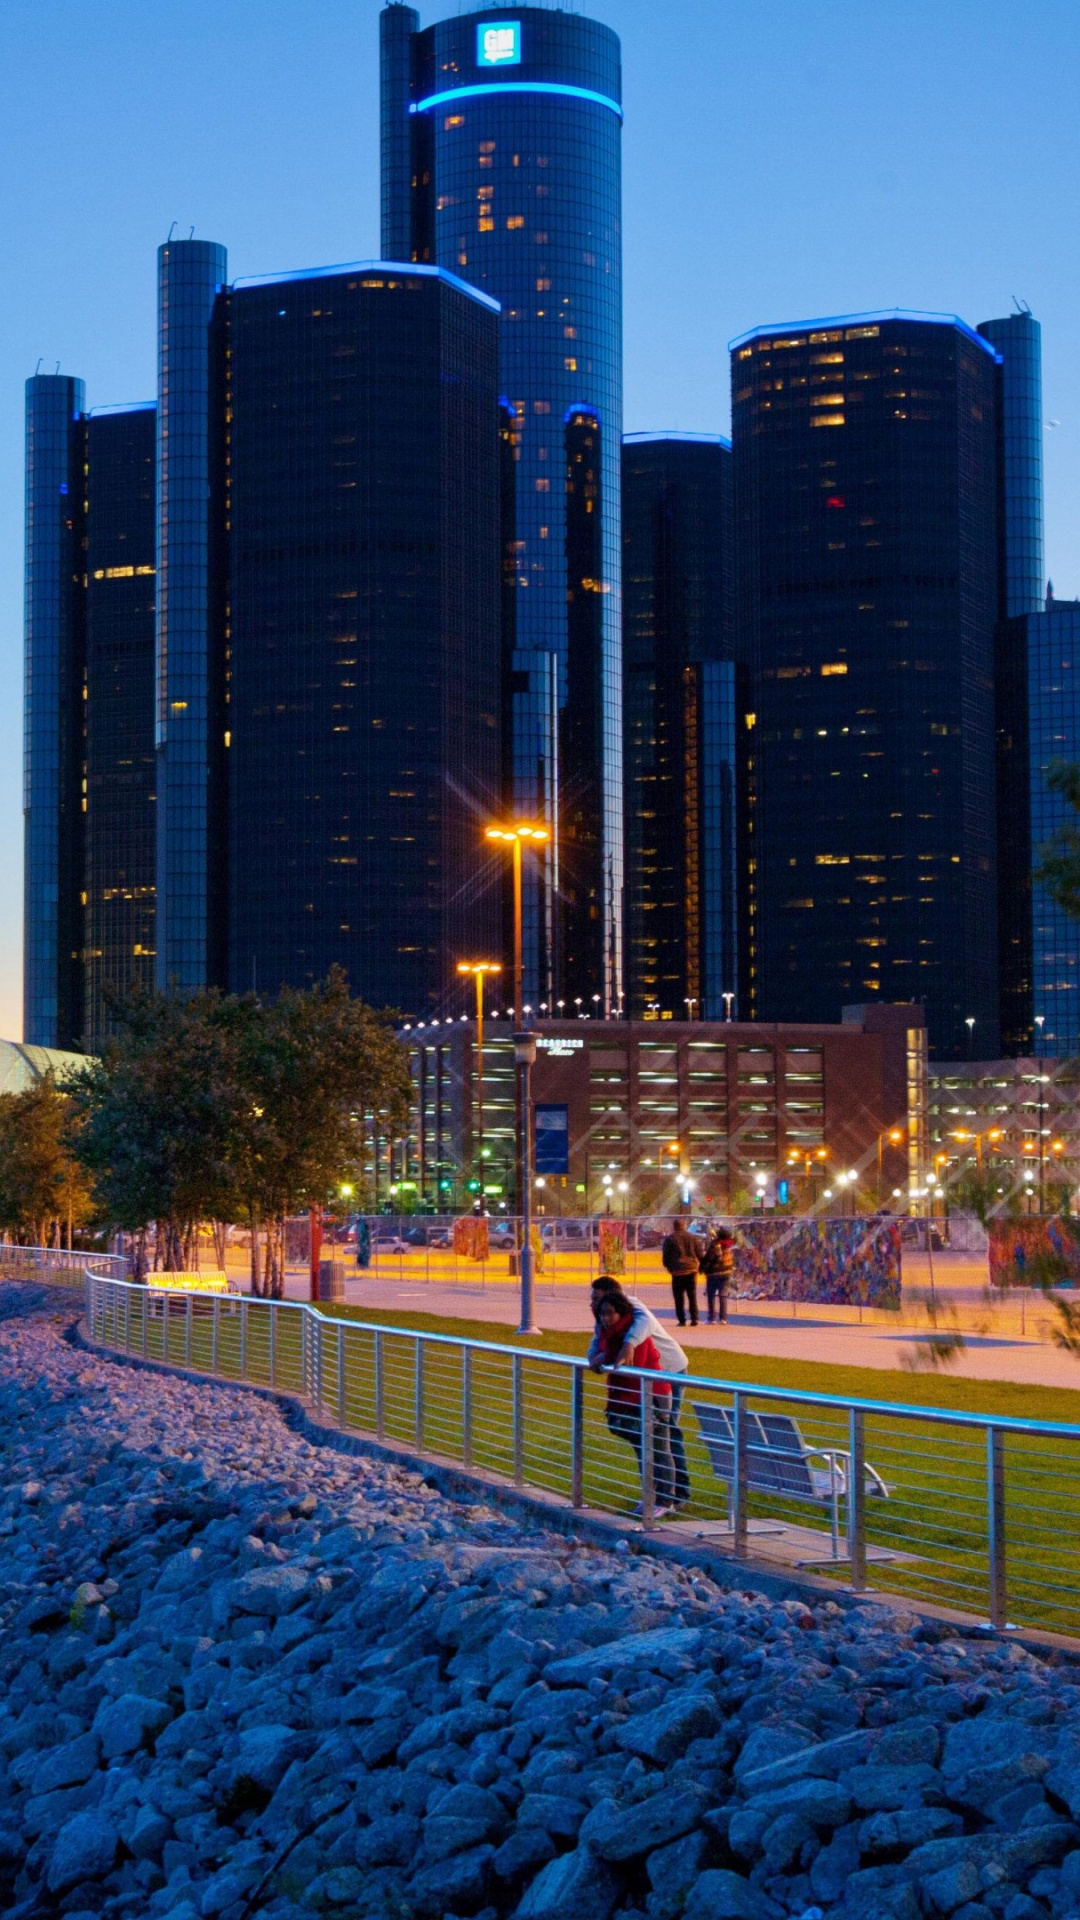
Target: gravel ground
(243, 1675)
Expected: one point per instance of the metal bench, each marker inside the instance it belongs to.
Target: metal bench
(778, 1461)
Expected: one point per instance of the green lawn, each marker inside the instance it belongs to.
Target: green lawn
(935, 1516)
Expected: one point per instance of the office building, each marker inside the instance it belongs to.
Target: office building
(362, 724)
(866, 534)
(89, 753)
(655, 1114)
(681, 734)
(119, 885)
(501, 136)
(1014, 1121)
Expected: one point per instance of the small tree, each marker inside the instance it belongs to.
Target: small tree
(42, 1182)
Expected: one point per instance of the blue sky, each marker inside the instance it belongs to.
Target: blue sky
(782, 161)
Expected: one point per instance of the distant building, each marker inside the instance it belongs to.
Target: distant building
(866, 508)
(1016, 1121)
(657, 1115)
(362, 552)
(681, 731)
(501, 161)
(90, 882)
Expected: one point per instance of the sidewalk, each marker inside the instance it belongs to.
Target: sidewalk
(1002, 1342)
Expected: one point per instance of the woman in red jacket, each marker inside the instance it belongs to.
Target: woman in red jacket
(614, 1319)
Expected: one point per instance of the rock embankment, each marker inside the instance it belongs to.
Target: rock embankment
(242, 1675)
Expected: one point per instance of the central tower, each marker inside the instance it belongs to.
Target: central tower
(501, 160)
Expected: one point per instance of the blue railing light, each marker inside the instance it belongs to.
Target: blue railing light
(515, 86)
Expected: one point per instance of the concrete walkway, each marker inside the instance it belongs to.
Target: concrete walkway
(1008, 1341)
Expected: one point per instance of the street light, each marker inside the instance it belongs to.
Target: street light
(729, 1001)
(524, 1059)
(970, 1025)
(523, 833)
(479, 969)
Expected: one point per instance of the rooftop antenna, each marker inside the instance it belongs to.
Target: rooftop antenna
(57, 367)
(191, 235)
(170, 233)
(37, 369)
(1021, 306)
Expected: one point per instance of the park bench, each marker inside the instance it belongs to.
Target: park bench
(207, 1284)
(778, 1461)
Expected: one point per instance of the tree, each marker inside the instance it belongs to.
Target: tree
(42, 1182)
(1058, 868)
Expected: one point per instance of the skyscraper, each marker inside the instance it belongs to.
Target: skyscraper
(501, 138)
(53, 718)
(1052, 655)
(118, 883)
(364, 651)
(865, 486)
(680, 703)
(190, 623)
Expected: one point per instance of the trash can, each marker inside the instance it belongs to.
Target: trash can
(331, 1280)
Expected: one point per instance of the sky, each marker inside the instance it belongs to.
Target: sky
(783, 160)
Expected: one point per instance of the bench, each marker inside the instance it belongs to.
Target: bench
(778, 1461)
(206, 1282)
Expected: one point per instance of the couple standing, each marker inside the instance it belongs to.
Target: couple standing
(683, 1257)
(628, 1335)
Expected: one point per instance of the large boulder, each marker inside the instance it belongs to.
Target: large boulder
(84, 1849)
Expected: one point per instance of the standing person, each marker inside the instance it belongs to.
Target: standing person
(614, 1321)
(718, 1266)
(680, 1256)
(646, 1326)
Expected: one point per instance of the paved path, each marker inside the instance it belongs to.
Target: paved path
(1009, 1342)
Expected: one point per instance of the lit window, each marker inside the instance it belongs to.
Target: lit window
(455, 120)
(834, 666)
(515, 221)
(827, 420)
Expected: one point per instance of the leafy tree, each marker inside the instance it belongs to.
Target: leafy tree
(42, 1182)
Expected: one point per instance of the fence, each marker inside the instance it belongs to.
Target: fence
(57, 1265)
(981, 1515)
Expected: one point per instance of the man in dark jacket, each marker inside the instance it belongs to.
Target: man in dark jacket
(680, 1257)
(718, 1266)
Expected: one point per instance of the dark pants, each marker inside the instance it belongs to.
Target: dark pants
(684, 1294)
(626, 1423)
(678, 1445)
(716, 1288)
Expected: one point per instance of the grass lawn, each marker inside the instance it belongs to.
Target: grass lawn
(934, 1519)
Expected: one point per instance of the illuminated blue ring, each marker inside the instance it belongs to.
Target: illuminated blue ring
(516, 86)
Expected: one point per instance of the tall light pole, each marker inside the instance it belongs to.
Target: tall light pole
(479, 969)
(524, 1056)
(522, 833)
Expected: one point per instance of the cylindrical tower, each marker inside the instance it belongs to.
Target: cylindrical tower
(1018, 340)
(190, 274)
(52, 742)
(515, 172)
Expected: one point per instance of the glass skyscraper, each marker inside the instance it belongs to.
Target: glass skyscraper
(118, 882)
(190, 623)
(1053, 700)
(363, 566)
(501, 151)
(53, 719)
(679, 687)
(1017, 340)
(866, 511)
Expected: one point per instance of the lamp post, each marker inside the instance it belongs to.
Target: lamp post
(479, 969)
(970, 1025)
(524, 1057)
(520, 834)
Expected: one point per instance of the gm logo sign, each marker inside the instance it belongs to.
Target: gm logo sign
(499, 46)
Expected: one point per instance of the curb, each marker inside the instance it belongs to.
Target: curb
(586, 1525)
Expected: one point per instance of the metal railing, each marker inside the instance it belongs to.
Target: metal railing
(977, 1514)
(58, 1265)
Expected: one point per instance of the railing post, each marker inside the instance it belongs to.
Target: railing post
(739, 1485)
(856, 1498)
(380, 1388)
(243, 1338)
(341, 1372)
(648, 1457)
(519, 1420)
(187, 1334)
(127, 1320)
(144, 1296)
(215, 1331)
(577, 1437)
(995, 1525)
(466, 1405)
(165, 1323)
(273, 1343)
(418, 1394)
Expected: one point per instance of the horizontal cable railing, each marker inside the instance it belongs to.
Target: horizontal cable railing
(980, 1515)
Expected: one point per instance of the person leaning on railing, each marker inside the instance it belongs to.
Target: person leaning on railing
(614, 1321)
(646, 1326)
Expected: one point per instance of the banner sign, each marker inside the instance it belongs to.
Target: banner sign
(552, 1138)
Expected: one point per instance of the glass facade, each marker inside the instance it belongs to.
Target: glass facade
(679, 691)
(513, 180)
(866, 528)
(53, 709)
(1053, 681)
(190, 616)
(362, 724)
(1018, 342)
(118, 884)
